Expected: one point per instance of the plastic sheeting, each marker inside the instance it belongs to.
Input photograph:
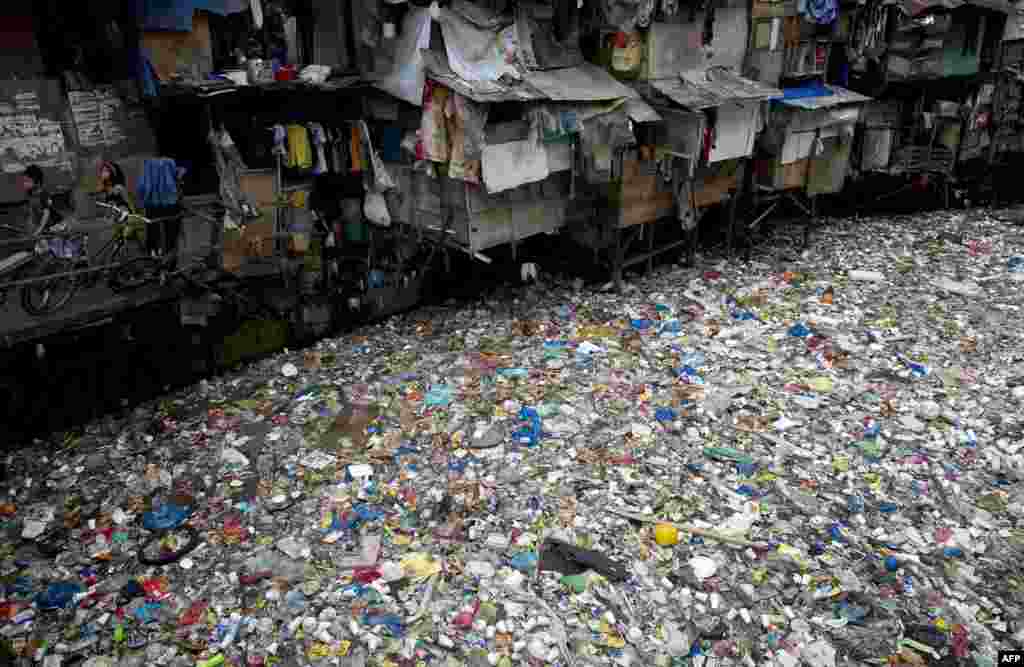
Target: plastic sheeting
(230, 165)
(736, 128)
(515, 163)
(474, 53)
(409, 74)
(177, 14)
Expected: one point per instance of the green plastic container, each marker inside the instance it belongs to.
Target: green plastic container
(356, 232)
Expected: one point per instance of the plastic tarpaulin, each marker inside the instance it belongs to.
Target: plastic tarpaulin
(176, 15)
(515, 163)
(474, 53)
(406, 80)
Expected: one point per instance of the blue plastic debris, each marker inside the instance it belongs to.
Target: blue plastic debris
(530, 433)
(689, 375)
(166, 517)
(799, 330)
(524, 561)
(694, 359)
(918, 370)
(391, 622)
(665, 414)
(671, 328)
(439, 395)
(58, 595)
(146, 613)
(746, 469)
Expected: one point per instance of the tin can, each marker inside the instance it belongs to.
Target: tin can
(254, 68)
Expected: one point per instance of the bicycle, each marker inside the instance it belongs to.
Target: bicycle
(42, 253)
(128, 227)
(86, 270)
(67, 260)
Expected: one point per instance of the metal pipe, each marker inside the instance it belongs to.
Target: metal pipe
(54, 276)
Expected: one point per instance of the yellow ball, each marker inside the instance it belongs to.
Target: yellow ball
(666, 535)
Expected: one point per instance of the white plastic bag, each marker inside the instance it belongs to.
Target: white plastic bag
(406, 80)
(375, 208)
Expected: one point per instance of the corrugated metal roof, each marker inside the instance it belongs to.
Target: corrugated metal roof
(916, 7)
(436, 63)
(585, 83)
(641, 112)
(706, 89)
(839, 96)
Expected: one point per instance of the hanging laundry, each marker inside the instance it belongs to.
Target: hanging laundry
(319, 140)
(822, 12)
(466, 121)
(257, 13)
(148, 77)
(557, 125)
(229, 168)
(339, 151)
(299, 154)
(452, 131)
(380, 179)
(158, 185)
(280, 142)
(433, 126)
(391, 144)
(644, 14)
(356, 150)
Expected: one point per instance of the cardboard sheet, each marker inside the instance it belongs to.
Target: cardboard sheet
(509, 165)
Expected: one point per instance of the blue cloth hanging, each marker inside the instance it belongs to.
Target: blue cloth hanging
(148, 79)
(821, 12)
(159, 183)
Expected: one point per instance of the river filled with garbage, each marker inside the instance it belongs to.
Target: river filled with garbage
(812, 458)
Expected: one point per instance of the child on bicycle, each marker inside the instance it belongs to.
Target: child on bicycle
(43, 215)
(42, 212)
(113, 186)
(113, 189)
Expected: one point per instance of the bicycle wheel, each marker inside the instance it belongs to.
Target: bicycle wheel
(136, 273)
(46, 296)
(8, 232)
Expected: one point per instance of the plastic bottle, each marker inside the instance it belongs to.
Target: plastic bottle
(666, 535)
(866, 276)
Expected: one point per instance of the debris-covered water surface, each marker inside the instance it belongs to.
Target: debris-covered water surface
(815, 458)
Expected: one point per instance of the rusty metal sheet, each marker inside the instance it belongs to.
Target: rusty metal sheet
(706, 89)
(586, 83)
(641, 112)
(437, 67)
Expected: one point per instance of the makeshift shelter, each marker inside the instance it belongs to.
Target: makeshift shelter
(808, 139)
(715, 138)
